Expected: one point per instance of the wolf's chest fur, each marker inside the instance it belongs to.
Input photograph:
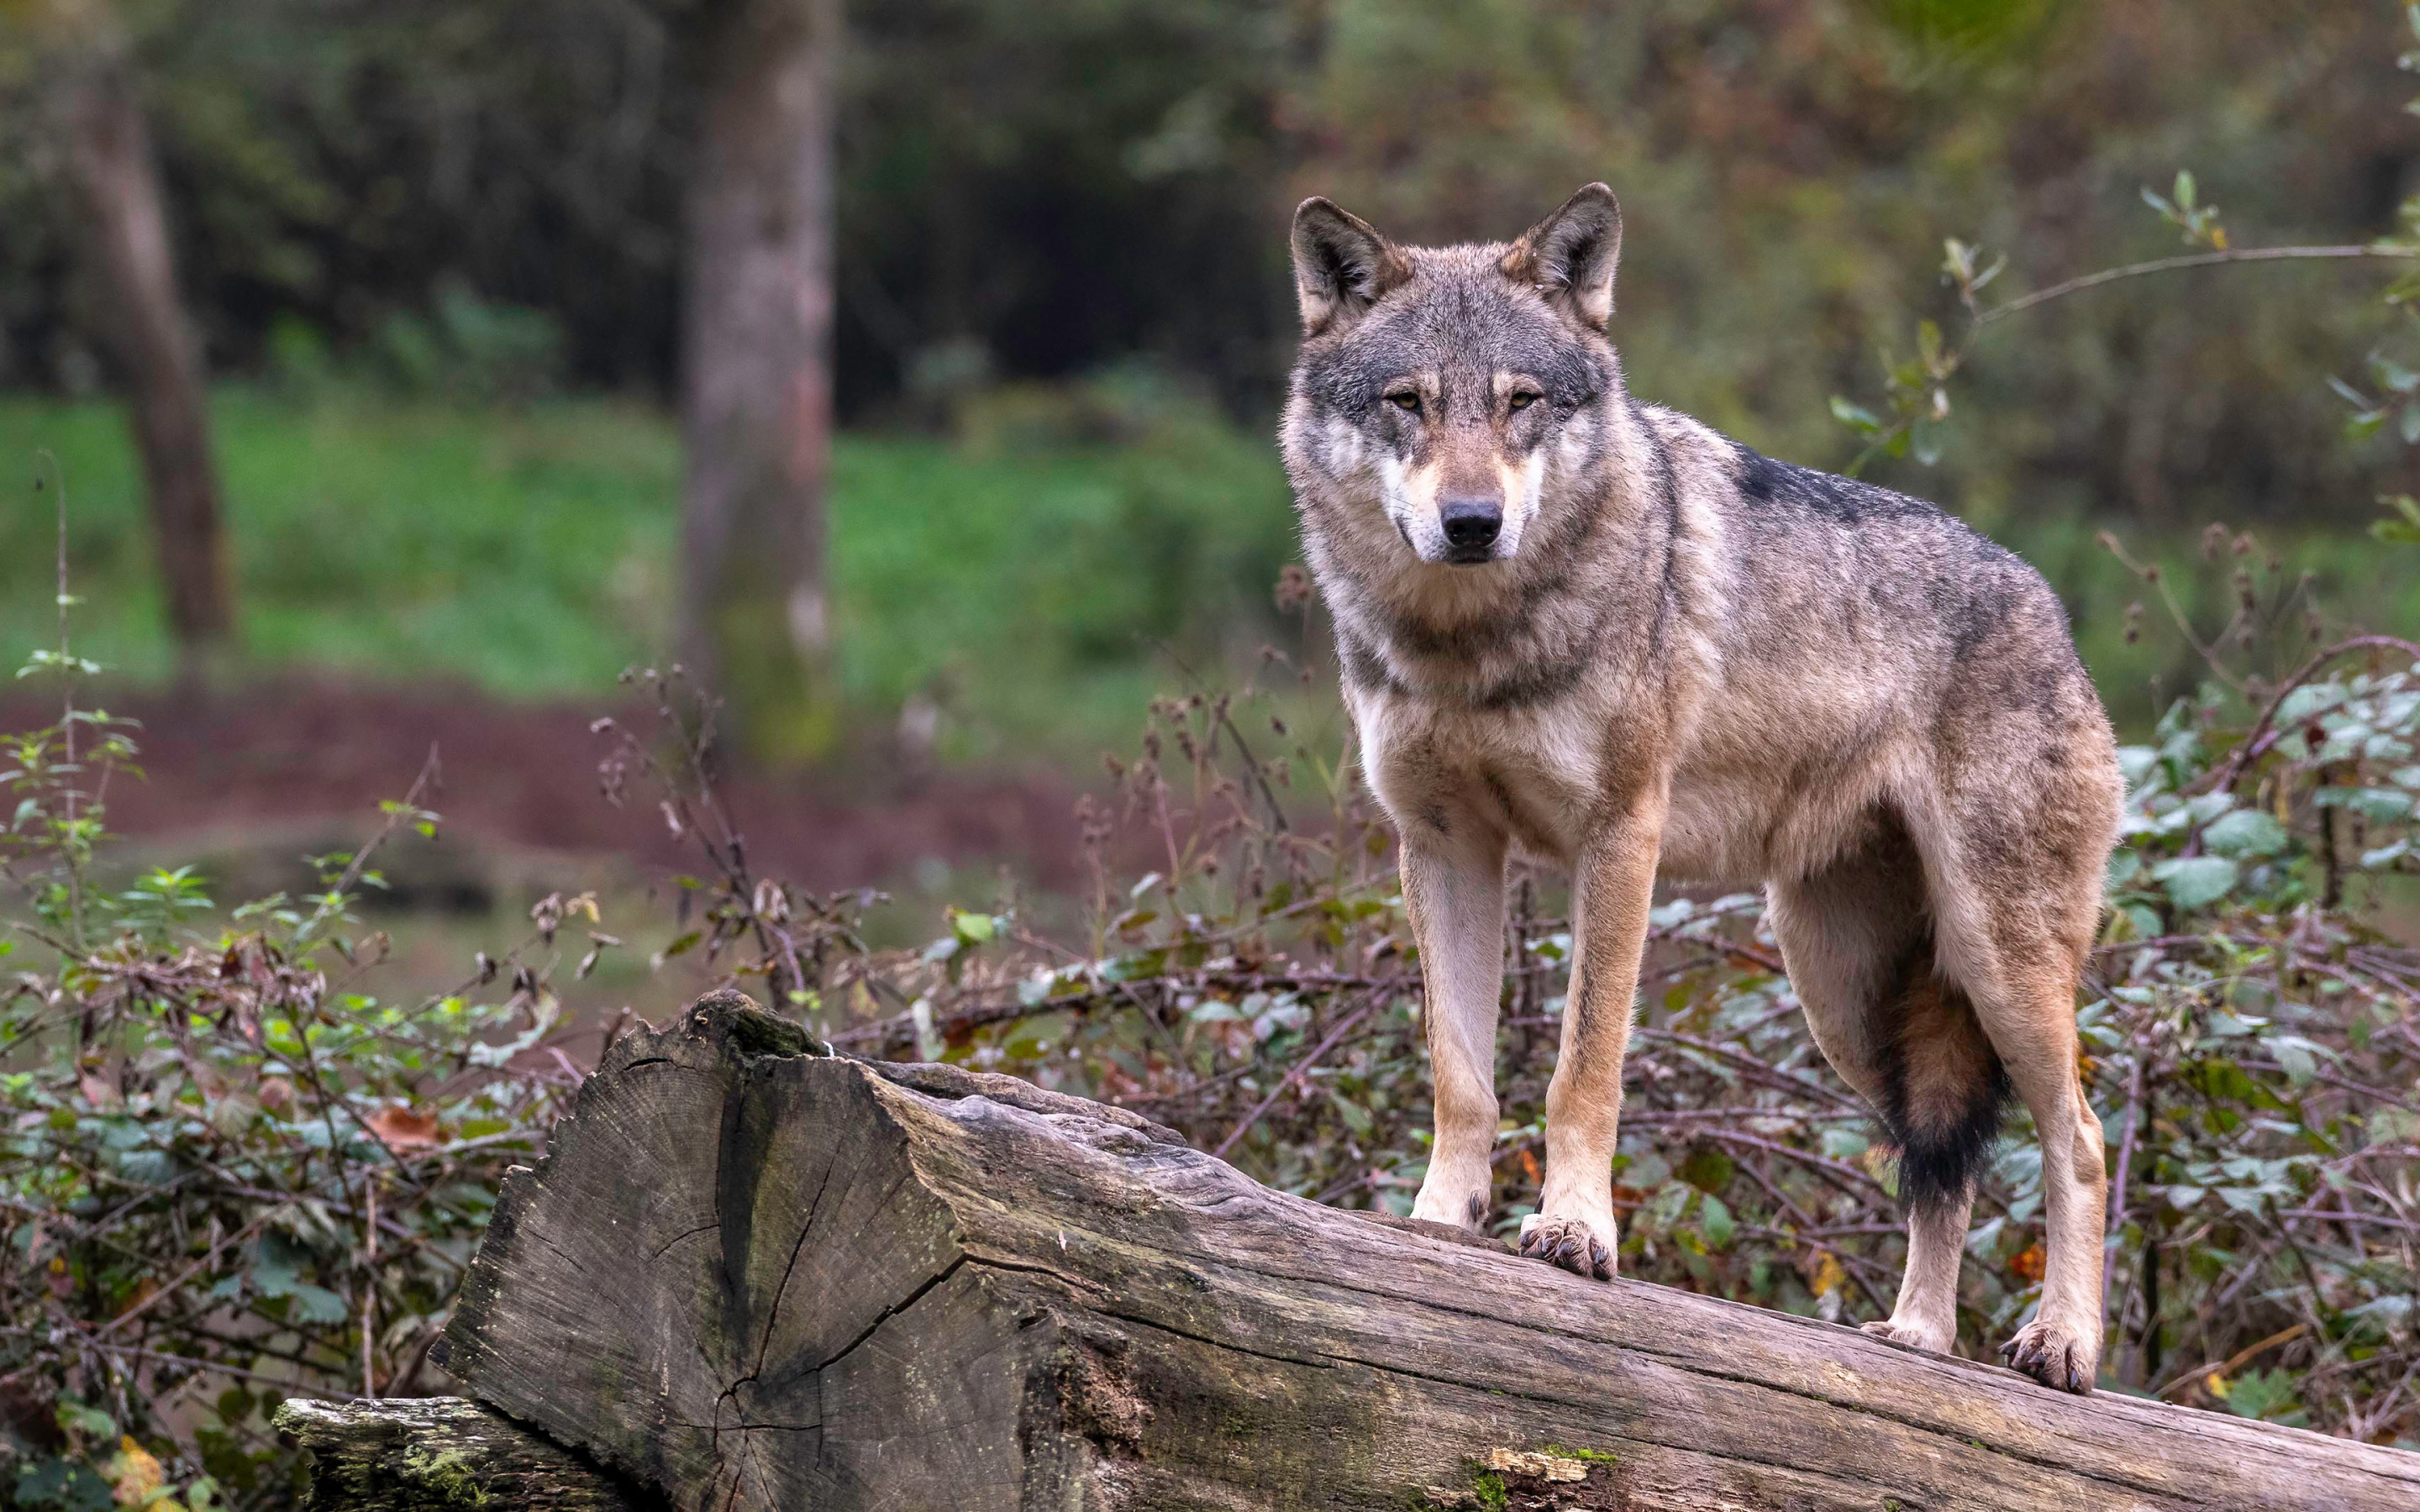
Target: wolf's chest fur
(1773, 778)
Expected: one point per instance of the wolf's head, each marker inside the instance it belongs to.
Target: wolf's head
(1443, 394)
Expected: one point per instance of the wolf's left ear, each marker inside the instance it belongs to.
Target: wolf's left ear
(1341, 265)
(1570, 256)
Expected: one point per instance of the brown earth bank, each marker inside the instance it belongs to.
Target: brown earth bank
(266, 763)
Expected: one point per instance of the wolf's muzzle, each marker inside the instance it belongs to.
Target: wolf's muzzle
(1470, 528)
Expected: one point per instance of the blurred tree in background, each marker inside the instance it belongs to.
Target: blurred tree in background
(119, 225)
(757, 369)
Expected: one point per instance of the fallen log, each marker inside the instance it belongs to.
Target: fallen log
(442, 1452)
(755, 1276)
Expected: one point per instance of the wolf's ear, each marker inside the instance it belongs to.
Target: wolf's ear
(1341, 265)
(1570, 256)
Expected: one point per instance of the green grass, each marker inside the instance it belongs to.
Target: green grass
(528, 553)
(1037, 595)
(532, 553)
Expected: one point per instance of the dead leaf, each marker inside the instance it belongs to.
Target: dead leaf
(98, 1089)
(133, 1474)
(403, 1129)
(2030, 1261)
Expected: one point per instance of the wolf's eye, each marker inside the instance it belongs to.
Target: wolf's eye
(1406, 400)
(1522, 398)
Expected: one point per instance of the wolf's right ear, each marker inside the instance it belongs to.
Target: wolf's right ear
(1342, 265)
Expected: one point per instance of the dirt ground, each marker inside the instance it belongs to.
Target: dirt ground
(268, 763)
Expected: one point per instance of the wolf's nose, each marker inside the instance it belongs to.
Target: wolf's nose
(1471, 524)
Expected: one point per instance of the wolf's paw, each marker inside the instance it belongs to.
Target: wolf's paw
(2056, 1355)
(1567, 1243)
(1935, 1341)
(1442, 1207)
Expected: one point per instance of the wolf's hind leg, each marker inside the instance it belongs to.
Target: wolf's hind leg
(1453, 890)
(1858, 943)
(2015, 924)
(2032, 1023)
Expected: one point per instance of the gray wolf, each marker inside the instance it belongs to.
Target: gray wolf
(1593, 631)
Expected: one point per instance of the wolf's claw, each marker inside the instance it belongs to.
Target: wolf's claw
(2058, 1357)
(1566, 1242)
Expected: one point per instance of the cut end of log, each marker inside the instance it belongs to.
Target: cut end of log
(755, 1276)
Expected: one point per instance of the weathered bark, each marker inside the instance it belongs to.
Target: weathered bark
(756, 401)
(440, 1454)
(759, 1277)
(105, 151)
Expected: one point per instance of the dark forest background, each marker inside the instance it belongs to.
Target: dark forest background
(1038, 191)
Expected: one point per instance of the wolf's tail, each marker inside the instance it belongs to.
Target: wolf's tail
(1944, 1089)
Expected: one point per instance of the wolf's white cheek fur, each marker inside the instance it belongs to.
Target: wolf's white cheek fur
(1409, 495)
(1344, 453)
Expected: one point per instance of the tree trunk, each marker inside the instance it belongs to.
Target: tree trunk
(755, 1276)
(756, 402)
(107, 152)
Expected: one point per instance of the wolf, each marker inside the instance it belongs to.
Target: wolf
(1595, 632)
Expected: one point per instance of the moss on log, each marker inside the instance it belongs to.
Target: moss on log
(757, 1277)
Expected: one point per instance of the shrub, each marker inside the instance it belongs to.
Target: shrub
(227, 1170)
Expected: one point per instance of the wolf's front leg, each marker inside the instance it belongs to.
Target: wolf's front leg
(1574, 1226)
(1453, 889)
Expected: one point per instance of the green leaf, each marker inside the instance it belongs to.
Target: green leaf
(1856, 416)
(275, 1268)
(317, 1304)
(76, 1417)
(2245, 832)
(679, 946)
(1714, 1217)
(1708, 1169)
(2195, 881)
(2378, 804)
(2268, 1395)
(2300, 1065)
(49, 1484)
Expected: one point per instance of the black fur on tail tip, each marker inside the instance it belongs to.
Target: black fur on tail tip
(1944, 1089)
(1939, 1165)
